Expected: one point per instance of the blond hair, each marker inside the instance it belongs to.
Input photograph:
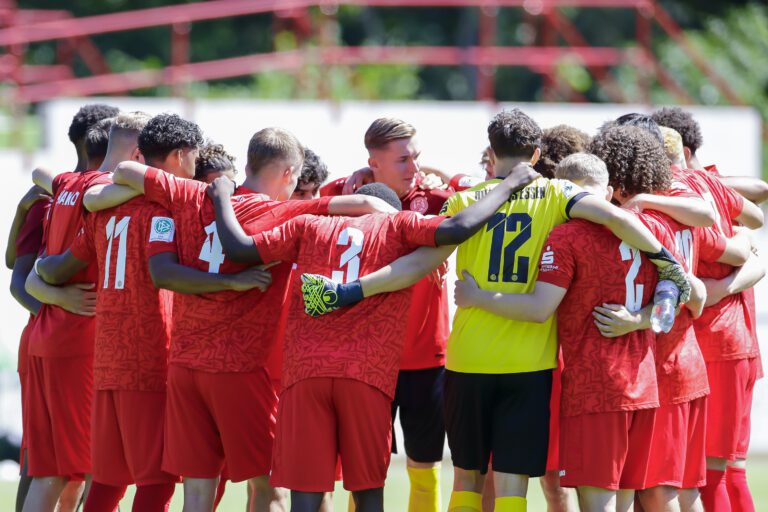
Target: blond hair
(271, 144)
(673, 145)
(130, 122)
(583, 167)
(386, 129)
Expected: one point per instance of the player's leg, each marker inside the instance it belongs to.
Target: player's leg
(305, 501)
(264, 497)
(44, 493)
(199, 494)
(73, 495)
(369, 500)
(103, 497)
(661, 498)
(595, 499)
(736, 474)
(559, 499)
(738, 490)
(690, 500)
(625, 499)
(695, 474)
(327, 504)
(422, 419)
(24, 481)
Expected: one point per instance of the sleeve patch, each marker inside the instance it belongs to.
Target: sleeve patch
(163, 229)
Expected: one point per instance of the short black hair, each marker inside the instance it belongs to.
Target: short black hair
(683, 123)
(167, 132)
(383, 192)
(87, 116)
(97, 138)
(641, 121)
(314, 170)
(213, 158)
(513, 134)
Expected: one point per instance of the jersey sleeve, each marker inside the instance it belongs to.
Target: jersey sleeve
(734, 202)
(333, 188)
(416, 229)
(436, 199)
(282, 242)
(166, 190)
(680, 188)
(461, 182)
(285, 211)
(30, 237)
(564, 194)
(162, 232)
(82, 246)
(453, 205)
(59, 180)
(557, 265)
(711, 244)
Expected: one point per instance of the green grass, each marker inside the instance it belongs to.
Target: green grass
(396, 490)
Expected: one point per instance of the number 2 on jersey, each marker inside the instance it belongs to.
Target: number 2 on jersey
(354, 238)
(117, 230)
(634, 292)
(515, 267)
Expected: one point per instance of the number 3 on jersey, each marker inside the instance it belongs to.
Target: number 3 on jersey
(211, 251)
(354, 239)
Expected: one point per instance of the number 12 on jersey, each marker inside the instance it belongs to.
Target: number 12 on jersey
(515, 267)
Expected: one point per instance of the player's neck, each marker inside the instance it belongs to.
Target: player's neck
(504, 166)
(82, 159)
(111, 160)
(257, 183)
(693, 163)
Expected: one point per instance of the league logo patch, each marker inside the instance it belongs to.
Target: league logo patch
(419, 204)
(162, 230)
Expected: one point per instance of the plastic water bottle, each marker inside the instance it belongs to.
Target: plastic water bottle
(664, 303)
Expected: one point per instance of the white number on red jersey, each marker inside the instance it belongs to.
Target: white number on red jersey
(684, 242)
(119, 231)
(211, 251)
(354, 238)
(634, 292)
(711, 200)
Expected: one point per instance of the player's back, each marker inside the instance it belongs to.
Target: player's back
(58, 333)
(365, 341)
(503, 257)
(600, 374)
(133, 317)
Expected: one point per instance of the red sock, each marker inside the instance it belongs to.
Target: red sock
(738, 490)
(219, 492)
(153, 498)
(103, 498)
(714, 495)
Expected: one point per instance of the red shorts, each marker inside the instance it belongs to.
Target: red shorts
(59, 396)
(677, 455)
(127, 444)
(23, 388)
(553, 450)
(322, 418)
(608, 450)
(729, 409)
(213, 417)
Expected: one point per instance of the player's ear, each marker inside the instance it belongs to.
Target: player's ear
(536, 156)
(608, 193)
(137, 156)
(372, 163)
(687, 153)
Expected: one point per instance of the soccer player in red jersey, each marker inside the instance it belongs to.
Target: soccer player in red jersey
(214, 161)
(221, 403)
(358, 360)
(393, 160)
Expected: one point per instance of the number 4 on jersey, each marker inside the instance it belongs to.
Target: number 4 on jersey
(211, 251)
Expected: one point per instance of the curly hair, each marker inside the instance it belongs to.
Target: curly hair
(636, 162)
(167, 132)
(641, 121)
(683, 123)
(513, 134)
(213, 158)
(557, 143)
(97, 138)
(87, 116)
(314, 170)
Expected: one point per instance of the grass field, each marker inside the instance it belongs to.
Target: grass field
(396, 491)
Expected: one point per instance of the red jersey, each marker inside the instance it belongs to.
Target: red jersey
(132, 316)
(58, 333)
(362, 342)
(600, 374)
(29, 241)
(428, 323)
(223, 331)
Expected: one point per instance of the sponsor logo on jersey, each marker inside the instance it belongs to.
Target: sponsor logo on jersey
(162, 230)
(547, 256)
(67, 198)
(419, 204)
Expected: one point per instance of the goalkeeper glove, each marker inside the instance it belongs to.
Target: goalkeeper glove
(321, 295)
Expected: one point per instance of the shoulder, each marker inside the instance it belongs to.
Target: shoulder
(333, 188)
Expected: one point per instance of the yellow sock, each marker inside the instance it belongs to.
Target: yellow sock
(351, 506)
(425, 489)
(510, 504)
(465, 501)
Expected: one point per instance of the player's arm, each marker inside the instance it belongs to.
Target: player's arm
(525, 307)
(76, 298)
(691, 211)
(741, 279)
(60, 268)
(168, 273)
(753, 189)
(43, 178)
(235, 243)
(103, 196)
(21, 268)
(131, 174)
(738, 249)
(33, 195)
(358, 204)
(751, 216)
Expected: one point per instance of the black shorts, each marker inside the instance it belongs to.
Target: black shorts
(504, 414)
(419, 395)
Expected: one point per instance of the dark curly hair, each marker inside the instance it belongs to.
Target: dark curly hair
(636, 162)
(97, 138)
(641, 121)
(557, 143)
(87, 116)
(683, 123)
(513, 134)
(213, 158)
(167, 132)
(314, 170)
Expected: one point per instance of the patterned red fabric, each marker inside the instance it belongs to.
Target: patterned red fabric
(363, 342)
(133, 318)
(58, 333)
(30, 237)
(222, 331)
(600, 374)
(428, 319)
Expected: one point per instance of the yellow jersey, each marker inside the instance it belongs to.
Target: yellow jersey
(503, 257)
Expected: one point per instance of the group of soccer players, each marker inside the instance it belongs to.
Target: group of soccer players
(170, 308)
